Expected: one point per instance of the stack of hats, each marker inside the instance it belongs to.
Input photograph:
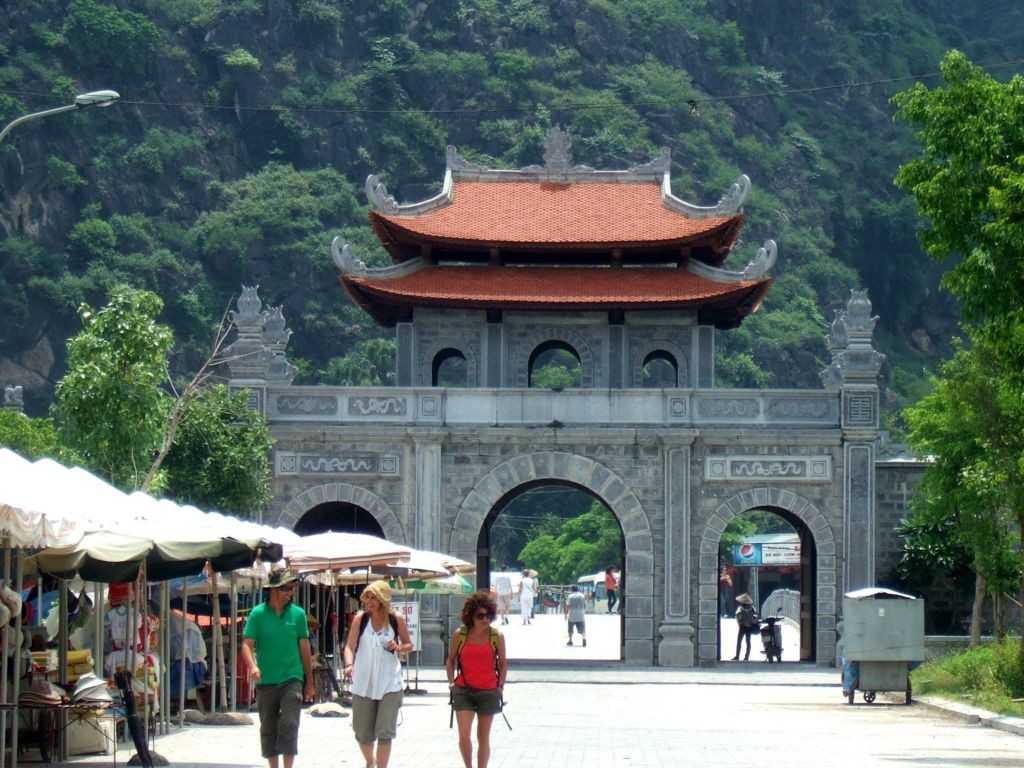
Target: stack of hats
(91, 691)
(42, 693)
(79, 663)
(45, 660)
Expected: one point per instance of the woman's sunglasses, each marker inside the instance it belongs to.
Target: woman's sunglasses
(482, 615)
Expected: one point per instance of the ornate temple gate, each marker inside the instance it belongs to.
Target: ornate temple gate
(674, 464)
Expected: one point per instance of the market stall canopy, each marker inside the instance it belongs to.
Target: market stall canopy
(44, 503)
(116, 556)
(332, 551)
(455, 584)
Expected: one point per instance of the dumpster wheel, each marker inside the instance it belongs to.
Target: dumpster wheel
(869, 696)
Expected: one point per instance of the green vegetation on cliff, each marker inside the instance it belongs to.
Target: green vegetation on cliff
(246, 129)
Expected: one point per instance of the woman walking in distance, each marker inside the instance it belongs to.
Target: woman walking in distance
(611, 583)
(476, 675)
(375, 639)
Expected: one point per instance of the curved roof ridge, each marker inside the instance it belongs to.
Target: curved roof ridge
(756, 268)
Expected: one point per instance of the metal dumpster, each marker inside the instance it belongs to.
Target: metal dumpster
(883, 639)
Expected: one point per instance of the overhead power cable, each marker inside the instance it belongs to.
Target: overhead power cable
(693, 102)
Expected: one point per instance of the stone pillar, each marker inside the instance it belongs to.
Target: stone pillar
(275, 339)
(405, 370)
(493, 352)
(14, 398)
(248, 357)
(676, 646)
(704, 359)
(427, 535)
(854, 371)
(618, 373)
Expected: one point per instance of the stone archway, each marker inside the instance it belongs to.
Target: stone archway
(349, 494)
(520, 375)
(605, 485)
(826, 567)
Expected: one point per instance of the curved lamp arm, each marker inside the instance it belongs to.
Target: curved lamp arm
(93, 98)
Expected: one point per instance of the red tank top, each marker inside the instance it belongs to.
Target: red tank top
(477, 661)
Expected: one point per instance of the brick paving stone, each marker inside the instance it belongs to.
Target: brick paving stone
(611, 716)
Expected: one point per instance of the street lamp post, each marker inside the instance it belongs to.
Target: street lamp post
(83, 100)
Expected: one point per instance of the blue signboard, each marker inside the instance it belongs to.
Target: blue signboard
(747, 554)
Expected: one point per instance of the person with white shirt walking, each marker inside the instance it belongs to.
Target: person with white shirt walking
(375, 639)
(527, 593)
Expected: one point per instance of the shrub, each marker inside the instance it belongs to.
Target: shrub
(99, 35)
(242, 61)
(63, 174)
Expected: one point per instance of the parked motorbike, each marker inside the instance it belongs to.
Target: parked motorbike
(771, 638)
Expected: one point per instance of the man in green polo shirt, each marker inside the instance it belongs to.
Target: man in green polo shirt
(275, 648)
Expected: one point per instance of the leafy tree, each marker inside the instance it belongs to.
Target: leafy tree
(111, 409)
(370, 364)
(100, 35)
(32, 438)
(582, 545)
(969, 186)
(973, 485)
(219, 458)
(968, 183)
(933, 555)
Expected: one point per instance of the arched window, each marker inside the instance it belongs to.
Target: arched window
(659, 370)
(449, 369)
(555, 365)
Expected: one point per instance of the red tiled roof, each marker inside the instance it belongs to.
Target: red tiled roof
(520, 214)
(554, 288)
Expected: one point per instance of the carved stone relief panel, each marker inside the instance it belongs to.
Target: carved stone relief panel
(377, 405)
(860, 409)
(804, 408)
(298, 405)
(815, 469)
(294, 463)
(728, 408)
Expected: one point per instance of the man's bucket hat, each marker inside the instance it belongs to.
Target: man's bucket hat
(280, 576)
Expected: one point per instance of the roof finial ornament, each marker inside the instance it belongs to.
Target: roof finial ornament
(378, 195)
(732, 201)
(345, 258)
(762, 263)
(557, 149)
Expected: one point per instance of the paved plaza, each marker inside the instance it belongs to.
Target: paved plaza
(573, 709)
(613, 717)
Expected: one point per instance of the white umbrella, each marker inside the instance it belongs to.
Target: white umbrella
(44, 503)
(335, 551)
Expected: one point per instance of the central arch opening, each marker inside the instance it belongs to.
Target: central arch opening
(564, 538)
(766, 560)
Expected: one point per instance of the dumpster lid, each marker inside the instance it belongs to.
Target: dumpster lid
(860, 594)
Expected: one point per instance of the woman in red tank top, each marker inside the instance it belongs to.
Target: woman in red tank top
(476, 675)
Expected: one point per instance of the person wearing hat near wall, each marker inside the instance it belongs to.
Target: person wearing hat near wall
(275, 648)
(375, 638)
(746, 621)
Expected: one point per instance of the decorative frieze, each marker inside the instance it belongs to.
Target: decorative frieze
(305, 405)
(816, 469)
(374, 405)
(293, 463)
(727, 408)
(803, 407)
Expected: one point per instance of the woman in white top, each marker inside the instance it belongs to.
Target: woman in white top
(527, 591)
(375, 642)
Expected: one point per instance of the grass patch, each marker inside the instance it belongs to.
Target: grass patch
(990, 677)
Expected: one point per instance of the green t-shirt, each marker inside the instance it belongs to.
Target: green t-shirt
(277, 642)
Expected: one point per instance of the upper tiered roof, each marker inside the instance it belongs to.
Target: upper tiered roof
(555, 237)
